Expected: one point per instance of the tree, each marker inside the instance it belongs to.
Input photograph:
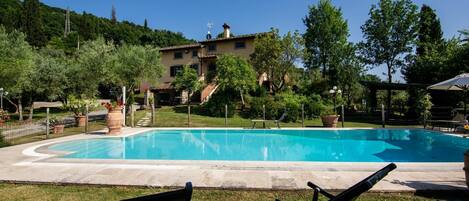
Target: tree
(326, 35)
(32, 23)
(187, 80)
(145, 24)
(92, 67)
(113, 15)
(233, 72)
(429, 30)
(49, 77)
(136, 65)
(16, 59)
(389, 35)
(276, 56)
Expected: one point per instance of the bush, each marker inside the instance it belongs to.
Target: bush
(284, 102)
(314, 106)
(215, 106)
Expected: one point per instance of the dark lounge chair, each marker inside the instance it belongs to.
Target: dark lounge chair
(177, 195)
(357, 189)
(276, 122)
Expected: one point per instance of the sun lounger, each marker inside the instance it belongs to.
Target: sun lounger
(356, 190)
(277, 122)
(177, 195)
(458, 120)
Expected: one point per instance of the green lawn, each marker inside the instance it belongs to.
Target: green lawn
(168, 117)
(95, 193)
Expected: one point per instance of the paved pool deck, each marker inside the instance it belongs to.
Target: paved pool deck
(34, 163)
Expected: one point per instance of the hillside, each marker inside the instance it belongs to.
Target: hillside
(88, 26)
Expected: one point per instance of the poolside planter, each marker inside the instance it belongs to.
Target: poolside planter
(59, 129)
(81, 120)
(330, 121)
(466, 166)
(114, 122)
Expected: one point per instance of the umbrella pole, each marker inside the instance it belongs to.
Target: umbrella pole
(465, 97)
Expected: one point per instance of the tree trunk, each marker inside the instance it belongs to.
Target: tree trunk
(20, 109)
(389, 93)
(242, 98)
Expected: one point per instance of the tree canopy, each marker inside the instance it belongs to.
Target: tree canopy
(325, 37)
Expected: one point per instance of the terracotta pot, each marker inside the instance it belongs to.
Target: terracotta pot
(59, 129)
(330, 121)
(1, 122)
(466, 166)
(114, 122)
(81, 121)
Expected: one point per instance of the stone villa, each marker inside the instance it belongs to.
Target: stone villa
(201, 56)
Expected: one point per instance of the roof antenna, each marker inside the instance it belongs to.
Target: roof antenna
(209, 26)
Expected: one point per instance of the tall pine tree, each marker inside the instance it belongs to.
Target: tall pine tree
(32, 23)
(429, 33)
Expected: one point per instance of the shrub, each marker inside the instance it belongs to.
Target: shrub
(314, 106)
(215, 106)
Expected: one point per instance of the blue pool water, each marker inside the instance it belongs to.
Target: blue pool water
(381, 145)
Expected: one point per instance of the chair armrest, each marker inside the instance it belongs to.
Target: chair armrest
(320, 190)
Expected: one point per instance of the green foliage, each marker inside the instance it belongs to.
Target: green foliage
(93, 66)
(325, 37)
(88, 26)
(49, 75)
(424, 104)
(276, 56)
(285, 102)
(233, 72)
(187, 80)
(136, 64)
(215, 106)
(389, 33)
(78, 105)
(32, 23)
(16, 61)
(429, 30)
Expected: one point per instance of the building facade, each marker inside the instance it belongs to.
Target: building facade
(202, 57)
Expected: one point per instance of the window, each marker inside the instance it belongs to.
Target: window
(174, 70)
(177, 55)
(212, 47)
(195, 67)
(240, 45)
(194, 53)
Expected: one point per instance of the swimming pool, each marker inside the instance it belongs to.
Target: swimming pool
(354, 145)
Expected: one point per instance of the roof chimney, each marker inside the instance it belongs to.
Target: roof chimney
(208, 36)
(226, 31)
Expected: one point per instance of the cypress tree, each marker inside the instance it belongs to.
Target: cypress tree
(429, 33)
(32, 23)
(145, 24)
(113, 15)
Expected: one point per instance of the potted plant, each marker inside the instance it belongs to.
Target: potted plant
(57, 125)
(329, 117)
(78, 107)
(114, 117)
(3, 116)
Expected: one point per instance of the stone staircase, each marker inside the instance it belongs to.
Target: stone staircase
(207, 92)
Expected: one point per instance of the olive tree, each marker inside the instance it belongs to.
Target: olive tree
(16, 61)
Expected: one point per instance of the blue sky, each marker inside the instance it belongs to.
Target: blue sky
(250, 16)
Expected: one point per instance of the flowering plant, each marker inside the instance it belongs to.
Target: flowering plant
(4, 115)
(466, 127)
(110, 106)
(78, 106)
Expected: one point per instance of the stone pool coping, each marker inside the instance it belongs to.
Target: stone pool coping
(31, 164)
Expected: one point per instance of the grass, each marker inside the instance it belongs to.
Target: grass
(13, 192)
(93, 126)
(168, 117)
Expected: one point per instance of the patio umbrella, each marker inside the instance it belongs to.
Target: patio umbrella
(458, 83)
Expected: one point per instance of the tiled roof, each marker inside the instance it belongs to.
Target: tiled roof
(234, 37)
(199, 44)
(194, 45)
